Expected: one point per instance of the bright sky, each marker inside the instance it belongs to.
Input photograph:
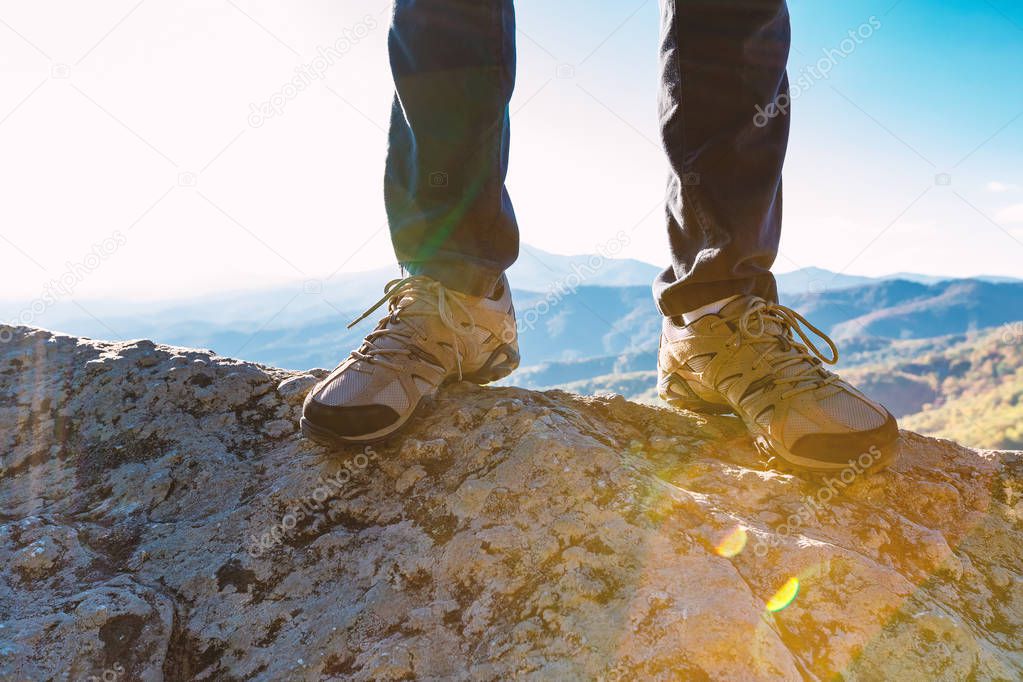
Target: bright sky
(129, 121)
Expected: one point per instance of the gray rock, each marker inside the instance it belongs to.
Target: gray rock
(166, 521)
(294, 389)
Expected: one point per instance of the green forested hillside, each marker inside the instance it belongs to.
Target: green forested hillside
(979, 390)
(992, 418)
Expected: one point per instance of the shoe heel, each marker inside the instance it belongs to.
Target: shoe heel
(502, 362)
(677, 393)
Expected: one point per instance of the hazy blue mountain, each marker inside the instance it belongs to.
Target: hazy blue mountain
(592, 322)
(872, 323)
(954, 307)
(621, 323)
(551, 374)
(298, 303)
(827, 309)
(907, 310)
(812, 280)
(936, 279)
(538, 270)
(581, 315)
(561, 325)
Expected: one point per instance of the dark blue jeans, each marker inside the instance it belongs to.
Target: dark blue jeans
(722, 64)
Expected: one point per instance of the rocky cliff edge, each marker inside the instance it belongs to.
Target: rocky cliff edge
(162, 519)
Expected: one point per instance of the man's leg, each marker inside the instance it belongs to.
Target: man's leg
(454, 70)
(451, 223)
(724, 115)
(722, 62)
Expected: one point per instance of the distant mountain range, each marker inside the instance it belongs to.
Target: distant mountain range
(817, 280)
(966, 387)
(898, 309)
(592, 315)
(933, 349)
(537, 270)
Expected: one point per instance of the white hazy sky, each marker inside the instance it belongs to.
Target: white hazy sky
(132, 116)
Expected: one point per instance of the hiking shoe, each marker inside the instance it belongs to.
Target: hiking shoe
(431, 334)
(746, 359)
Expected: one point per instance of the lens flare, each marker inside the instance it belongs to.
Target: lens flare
(733, 543)
(784, 596)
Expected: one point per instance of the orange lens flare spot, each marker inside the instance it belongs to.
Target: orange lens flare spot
(784, 596)
(733, 543)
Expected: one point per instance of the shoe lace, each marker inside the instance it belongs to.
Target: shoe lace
(416, 288)
(793, 363)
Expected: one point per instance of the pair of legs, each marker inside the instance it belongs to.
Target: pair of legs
(454, 230)
(722, 61)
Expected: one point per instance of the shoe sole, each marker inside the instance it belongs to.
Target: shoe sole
(674, 391)
(783, 460)
(698, 406)
(777, 457)
(502, 362)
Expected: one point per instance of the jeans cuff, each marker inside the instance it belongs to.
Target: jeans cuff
(461, 273)
(683, 297)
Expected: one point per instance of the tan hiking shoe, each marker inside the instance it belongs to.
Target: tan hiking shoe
(746, 359)
(432, 334)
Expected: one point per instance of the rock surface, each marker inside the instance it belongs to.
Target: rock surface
(162, 519)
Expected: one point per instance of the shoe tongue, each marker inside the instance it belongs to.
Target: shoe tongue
(737, 305)
(773, 328)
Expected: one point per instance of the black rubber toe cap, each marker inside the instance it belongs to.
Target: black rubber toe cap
(350, 421)
(835, 448)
